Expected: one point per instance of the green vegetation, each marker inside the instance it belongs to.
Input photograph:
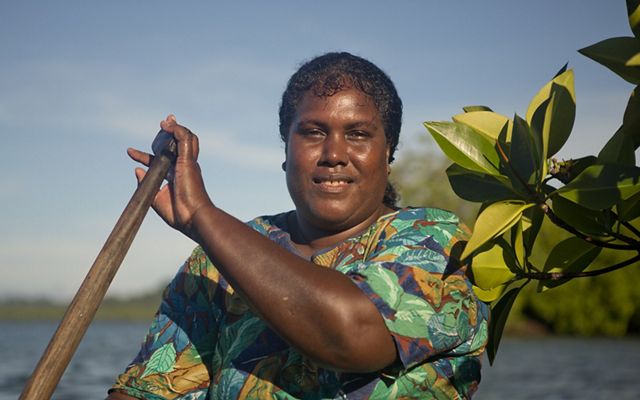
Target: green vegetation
(139, 308)
(527, 195)
(604, 305)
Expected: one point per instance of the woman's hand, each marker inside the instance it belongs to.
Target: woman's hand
(179, 200)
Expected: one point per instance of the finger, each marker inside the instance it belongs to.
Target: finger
(162, 204)
(195, 148)
(140, 156)
(166, 124)
(187, 141)
(140, 173)
(162, 200)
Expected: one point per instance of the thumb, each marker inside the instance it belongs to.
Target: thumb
(140, 174)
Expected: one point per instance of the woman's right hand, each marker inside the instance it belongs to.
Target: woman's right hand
(178, 201)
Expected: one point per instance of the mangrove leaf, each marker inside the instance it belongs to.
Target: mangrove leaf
(601, 186)
(633, 11)
(615, 54)
(631, 119)
(572, 255)
(464, 146)
(468, 109)
(477, 187)
(488, 123)
(587, 221)
(493, 221)
(619, 149)
(524, 156)
(499, 315)
(490, 268)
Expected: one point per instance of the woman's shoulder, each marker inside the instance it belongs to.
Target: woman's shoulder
(268, 223)
(416, 223)
(421, 214)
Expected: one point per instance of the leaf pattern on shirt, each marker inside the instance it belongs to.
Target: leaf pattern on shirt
(161, 361)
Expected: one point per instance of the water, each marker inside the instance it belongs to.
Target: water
(103, 353)
(544, 368)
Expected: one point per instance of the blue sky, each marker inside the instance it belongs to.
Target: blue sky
(82, 81)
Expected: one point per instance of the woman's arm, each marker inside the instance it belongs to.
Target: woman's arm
(318, 310)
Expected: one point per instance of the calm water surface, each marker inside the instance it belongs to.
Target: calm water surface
(547, 368)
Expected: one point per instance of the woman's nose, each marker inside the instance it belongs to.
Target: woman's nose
(334, 151)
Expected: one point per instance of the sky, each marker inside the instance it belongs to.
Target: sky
(81, 81)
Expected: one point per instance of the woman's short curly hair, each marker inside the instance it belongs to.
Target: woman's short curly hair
(330, 73)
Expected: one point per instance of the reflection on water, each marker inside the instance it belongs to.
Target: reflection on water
(103, 353)
(546, 368)
(563, 368)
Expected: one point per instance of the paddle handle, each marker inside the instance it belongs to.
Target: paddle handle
(85, 303)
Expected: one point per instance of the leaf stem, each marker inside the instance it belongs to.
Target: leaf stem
(631, 228)
(505, 158)
(590, 239)
(557, 276)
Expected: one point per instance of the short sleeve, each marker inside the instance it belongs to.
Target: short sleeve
(172, 361)
(423, 296)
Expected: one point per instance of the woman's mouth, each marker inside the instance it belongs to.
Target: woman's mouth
(333, 182)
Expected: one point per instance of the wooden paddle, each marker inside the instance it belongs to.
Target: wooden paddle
(84, 305)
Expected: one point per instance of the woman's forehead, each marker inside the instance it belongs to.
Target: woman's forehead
(346, 100)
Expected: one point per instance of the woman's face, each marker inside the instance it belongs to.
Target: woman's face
(336, 164)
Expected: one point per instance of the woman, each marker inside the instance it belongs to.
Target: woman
(344, 297)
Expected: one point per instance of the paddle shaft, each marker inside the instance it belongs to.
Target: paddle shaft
(85, 304)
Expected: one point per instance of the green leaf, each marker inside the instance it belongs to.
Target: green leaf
(561, 70)
(618, 150)
(161, 361)
(559, 118)
(488, 123)
(631, 119)
(517, 243)
(468, 109)
(490, 268)
(464, 146)
(540, 125)
(524, 156)
(476, 187)
(493, 221)
(570, 169)
(491, 295)
(499, 315)
(633, 11)
(615, 54)
(565, 79)
(601, 186)
(532, 217)
(629, 209)
(590, 222)
(572, 255)
(551, 112)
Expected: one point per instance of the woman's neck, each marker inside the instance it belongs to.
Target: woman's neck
(308, 239)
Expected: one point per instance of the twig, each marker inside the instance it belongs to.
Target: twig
(590, 239)
(558, 276)
(631, 228)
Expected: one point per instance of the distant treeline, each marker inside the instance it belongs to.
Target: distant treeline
(138, 308)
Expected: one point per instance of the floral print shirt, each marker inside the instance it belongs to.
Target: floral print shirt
(205, 343)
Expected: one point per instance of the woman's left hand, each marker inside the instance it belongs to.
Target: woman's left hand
(179, 200)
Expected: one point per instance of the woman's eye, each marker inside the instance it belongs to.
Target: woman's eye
(358, 134)
(313, 132)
